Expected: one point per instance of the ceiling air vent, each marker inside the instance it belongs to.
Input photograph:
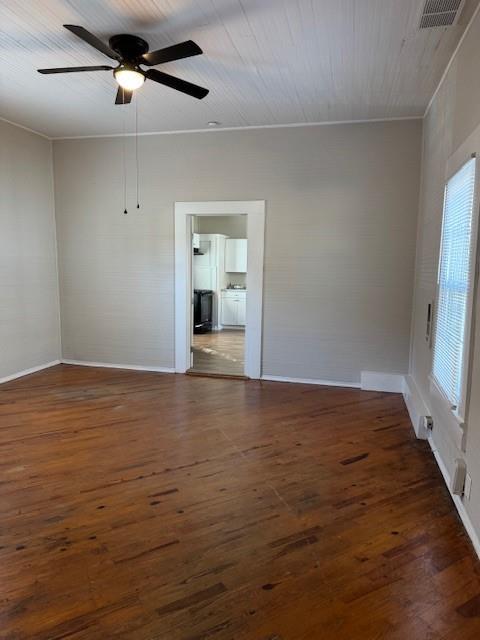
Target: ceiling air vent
(440, 13)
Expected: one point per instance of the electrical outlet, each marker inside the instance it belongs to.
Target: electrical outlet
(458, 479)
(428, 423)
(468, 487)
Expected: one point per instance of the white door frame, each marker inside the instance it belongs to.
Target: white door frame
(255, 211)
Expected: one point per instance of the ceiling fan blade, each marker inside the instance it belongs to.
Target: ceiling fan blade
(123, 96)
(102, 67)
(92, 40)
(176, 83)
(175, 52)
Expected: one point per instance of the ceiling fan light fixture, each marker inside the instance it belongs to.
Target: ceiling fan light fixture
(129, 78)
(131, 51)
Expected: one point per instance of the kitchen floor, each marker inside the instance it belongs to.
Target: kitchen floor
(219, 352)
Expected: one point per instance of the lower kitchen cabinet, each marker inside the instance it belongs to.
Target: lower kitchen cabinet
(233, 307)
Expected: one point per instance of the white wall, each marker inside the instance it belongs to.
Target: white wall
(231, 226)
(452, 120)
(340, 241)
(29, 316)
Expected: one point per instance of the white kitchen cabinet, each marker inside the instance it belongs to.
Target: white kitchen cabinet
(229, 311)
(233, 308)
(236, 255)
(242, 311)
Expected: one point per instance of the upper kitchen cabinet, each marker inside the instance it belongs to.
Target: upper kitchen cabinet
(236, 255)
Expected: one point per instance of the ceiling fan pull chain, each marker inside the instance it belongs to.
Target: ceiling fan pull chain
(125, 211)
(136, 150)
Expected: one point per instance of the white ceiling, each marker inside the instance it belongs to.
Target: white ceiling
(266, 62)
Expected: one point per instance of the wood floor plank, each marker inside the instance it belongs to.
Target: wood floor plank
(144, 506)
(219, 352)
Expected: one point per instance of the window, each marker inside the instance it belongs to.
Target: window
(455, 286)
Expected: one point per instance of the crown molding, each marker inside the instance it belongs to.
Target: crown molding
(21, 126)
(292, 125)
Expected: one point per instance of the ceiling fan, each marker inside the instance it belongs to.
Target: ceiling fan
(131, 52)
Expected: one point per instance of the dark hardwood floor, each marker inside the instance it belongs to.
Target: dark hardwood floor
(159, 507)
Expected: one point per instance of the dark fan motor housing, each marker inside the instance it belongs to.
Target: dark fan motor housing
(131, 52)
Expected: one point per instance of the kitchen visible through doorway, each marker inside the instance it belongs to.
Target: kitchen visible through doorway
(219, 277)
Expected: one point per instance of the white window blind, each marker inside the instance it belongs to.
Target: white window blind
(455, 275)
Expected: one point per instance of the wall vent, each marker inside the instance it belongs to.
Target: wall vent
(440, 13)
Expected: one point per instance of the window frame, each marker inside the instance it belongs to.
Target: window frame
(459, 413)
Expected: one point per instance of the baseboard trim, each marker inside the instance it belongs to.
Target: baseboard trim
(322, 383)
(462, 512)
(379, 381)
(109, 365)
(27, 372)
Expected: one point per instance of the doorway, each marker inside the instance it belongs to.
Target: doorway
(219, 289)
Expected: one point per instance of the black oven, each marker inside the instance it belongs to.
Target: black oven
(202, 310)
